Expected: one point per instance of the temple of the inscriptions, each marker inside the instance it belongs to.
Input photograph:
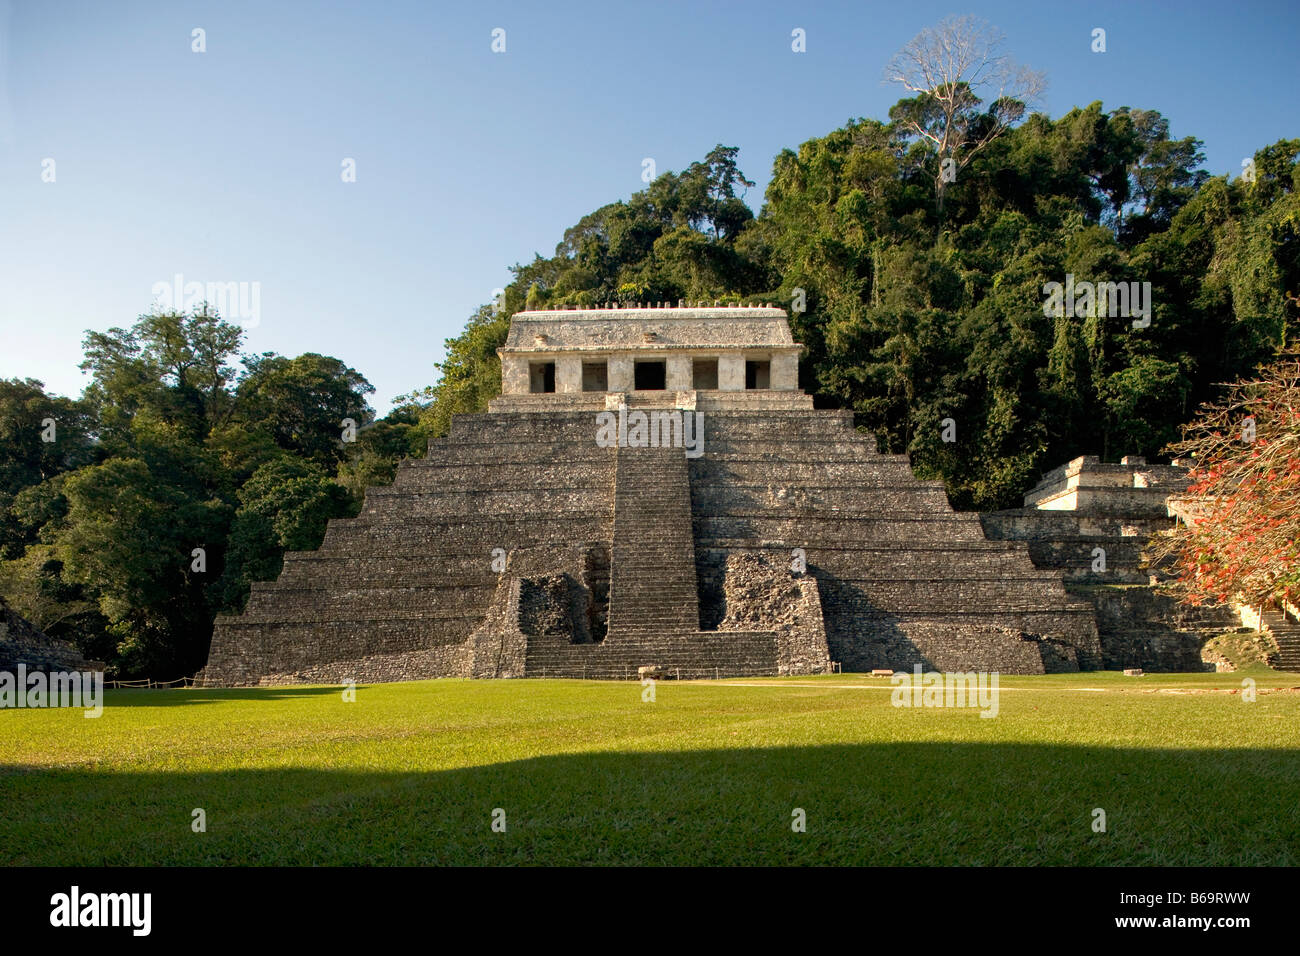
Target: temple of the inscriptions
(652, 488)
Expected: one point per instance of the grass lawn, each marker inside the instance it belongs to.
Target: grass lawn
(709, 773)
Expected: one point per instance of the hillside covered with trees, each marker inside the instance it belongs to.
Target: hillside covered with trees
(915, 315)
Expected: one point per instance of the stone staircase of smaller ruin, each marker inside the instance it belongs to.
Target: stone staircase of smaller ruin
(1286, 632)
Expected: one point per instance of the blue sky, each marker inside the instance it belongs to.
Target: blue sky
(224, 166)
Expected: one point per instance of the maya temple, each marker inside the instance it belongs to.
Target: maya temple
(651, 488)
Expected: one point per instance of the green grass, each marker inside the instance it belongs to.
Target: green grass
(709, 773)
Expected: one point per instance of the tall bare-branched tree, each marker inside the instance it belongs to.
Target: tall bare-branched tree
(954, 68)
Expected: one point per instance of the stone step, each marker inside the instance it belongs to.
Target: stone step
(811, 530)
(828, 499)
(358, 536)
(435, 618)
(688, 655)
(575, 502)
(317, 568)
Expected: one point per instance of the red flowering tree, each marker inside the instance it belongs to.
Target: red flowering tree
(1239, 537)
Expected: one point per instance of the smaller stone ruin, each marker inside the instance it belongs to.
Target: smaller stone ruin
(22, 643)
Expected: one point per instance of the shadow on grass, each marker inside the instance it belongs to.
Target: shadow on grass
(908, 803)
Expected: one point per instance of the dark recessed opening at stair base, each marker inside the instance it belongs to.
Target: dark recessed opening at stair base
(541, 377)
(595, 376)
(650, 376)
(595, 577)
(704, 374)
(758, 374)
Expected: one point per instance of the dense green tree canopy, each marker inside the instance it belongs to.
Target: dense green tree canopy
(174, 482)
(300, 403)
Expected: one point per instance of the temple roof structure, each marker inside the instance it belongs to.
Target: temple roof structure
(719, 357)
(643, 328)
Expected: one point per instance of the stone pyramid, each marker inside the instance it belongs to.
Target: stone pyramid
(557, 535)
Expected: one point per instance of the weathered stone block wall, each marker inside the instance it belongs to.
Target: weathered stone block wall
(498, 646)
(1141, 627)
(759, 592)
(697, 655)
(451, 661)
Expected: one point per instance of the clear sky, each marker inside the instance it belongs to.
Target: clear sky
(224, 166)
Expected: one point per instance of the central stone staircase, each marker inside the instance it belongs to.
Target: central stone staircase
(654, 611)
(652, 580)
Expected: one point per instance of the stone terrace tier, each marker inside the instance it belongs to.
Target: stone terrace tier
(520, 547)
